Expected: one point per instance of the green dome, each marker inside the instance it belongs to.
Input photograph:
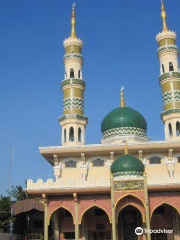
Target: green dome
(126, 165)
(123, 120)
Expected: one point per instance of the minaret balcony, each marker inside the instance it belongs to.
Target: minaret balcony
(73, 81)
(167, 75)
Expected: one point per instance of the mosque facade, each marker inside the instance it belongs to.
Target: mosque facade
(127, 187)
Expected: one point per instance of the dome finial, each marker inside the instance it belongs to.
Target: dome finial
(126, 147)
(73, 21)
(122, 103)
(163, 15)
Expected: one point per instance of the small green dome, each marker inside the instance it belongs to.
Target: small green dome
(123, 120)
(126, 165)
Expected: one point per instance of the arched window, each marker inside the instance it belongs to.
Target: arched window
(155, 160)
(71, 134)
(163, 70)
(98, 163)
(71, 73)
(65, 74)
(70, 164)
(64, 135)
(79, 74)
(171, 67)
(178, 159)
(79, 135)
(178, 129)
(170, 130)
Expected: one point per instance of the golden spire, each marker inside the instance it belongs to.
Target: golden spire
(163, 15)
(122, 103)
(73, 21)
(126, 147)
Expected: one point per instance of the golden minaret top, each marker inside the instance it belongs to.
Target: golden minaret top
(73, 21)
(126, 147)
(122, 103)
(163, 15)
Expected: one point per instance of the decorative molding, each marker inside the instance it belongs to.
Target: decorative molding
(171, 96)
(169, 75)
(133, 173)
(73, 103)
(124, 131)
(73, 56)
(133, 185)
(73, 81)
(167, 47)
(169, 112)
(72, 116)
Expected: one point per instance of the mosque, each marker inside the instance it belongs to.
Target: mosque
(106, 191)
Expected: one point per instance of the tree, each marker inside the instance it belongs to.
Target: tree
(5, 214)
(19, 194)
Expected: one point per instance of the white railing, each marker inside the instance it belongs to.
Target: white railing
(164, 179)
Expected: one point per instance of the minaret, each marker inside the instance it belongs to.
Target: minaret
(169, 79)
(73, 121)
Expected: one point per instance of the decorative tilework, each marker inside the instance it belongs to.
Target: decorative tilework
(71, 116)
(171, 96)
(73, 55)
(169, 75)
(123, 131)
(73, 81)
(73, 103)
(170, 111)
(167, 47)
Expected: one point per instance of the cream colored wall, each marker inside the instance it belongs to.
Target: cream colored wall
(171, 56)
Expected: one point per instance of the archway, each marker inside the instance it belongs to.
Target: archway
(62, 225)
(95, 224)
(165, 217)
(128, 219)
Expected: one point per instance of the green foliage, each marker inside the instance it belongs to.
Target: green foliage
(5, 214)
(19, 194)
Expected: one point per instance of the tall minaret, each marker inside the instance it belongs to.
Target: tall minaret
(169, 79)
(73, 121)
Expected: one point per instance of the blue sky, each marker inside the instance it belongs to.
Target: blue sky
(119, 49)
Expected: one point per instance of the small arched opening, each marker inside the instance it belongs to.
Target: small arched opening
(65, 135)
(79, 135)
(177, 129)
(171, 67)
(71, 134)
(71, 73)
(79, 74)
(170, 130)
(163, 70)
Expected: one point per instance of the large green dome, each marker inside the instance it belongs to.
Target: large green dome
(123, 121)
(127, 165)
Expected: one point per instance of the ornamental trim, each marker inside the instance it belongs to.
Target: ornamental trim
(73, 103)
(123, 131)
(72, 116)
(73, 81)
(133, 185)
(73, 55)
(167, 47)
(171, 96)
(169, 112)
(169, 75)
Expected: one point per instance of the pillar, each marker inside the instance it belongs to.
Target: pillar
(113, 210)
(76, 216)
(56, 226)
(176, 225)
(147, 224)
(45, 221)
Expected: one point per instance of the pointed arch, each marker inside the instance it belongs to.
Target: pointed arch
(162, 203)
(170, 130)
(92, 206)
(71, 73)
(57, 208)
(177, 128)
(127, 195)
(71, 134)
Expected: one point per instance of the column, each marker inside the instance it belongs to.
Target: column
(176, 225)
(76, 216)
(56, 226)
(45, 221)
(147, 224)
(113, 210)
